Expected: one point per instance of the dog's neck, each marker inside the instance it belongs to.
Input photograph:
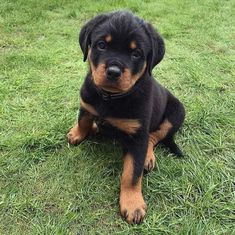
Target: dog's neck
(113, 96)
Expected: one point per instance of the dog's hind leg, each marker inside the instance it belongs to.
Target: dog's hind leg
(175, 114)
(173, 119)
(154, 138)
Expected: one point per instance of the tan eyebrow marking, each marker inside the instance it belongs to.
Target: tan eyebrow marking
(108, 38)
(133, 45)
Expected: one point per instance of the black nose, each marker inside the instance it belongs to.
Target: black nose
(113, 73)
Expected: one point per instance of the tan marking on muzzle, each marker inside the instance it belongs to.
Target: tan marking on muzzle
(98, 74)
(127, 80)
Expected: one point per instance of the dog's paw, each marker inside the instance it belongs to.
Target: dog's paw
(150, 161)
(74, 136)
(133, 208)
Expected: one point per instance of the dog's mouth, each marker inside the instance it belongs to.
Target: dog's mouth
(111, 89)
(119, 87)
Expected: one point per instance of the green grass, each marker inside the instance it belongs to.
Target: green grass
(48, 188)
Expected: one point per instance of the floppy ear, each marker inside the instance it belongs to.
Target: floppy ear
(85, 33)
(157, 47)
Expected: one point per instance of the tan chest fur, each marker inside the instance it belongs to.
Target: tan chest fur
(129, 126)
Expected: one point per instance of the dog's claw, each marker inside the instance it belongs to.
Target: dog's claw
(134, 210)
(150, 162)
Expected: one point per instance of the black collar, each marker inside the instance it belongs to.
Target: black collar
(113, 96)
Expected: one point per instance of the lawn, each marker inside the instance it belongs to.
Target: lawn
(47, 187)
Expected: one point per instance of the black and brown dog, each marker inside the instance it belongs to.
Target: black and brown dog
(120, 96)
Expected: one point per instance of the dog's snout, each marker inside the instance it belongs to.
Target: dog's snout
(113, 73)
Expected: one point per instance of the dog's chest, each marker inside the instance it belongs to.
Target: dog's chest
(116, 116)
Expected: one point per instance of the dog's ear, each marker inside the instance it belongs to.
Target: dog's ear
(157, 47)
(85, 33)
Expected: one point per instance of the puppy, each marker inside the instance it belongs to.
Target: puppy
(119, 96)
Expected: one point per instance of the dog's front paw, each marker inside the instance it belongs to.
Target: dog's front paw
(150, 161)
(132, 208)
(75, 136)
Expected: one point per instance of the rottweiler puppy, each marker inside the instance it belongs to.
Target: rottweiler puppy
(119, 96)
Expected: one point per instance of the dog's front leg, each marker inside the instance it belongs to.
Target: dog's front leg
(132, 204)
(80, 131)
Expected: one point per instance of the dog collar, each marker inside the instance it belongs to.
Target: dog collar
(113, 96)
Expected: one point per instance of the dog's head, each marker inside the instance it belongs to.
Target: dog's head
(120, 48)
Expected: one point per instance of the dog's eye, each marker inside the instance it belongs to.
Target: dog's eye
(136, 54)
(101, 45)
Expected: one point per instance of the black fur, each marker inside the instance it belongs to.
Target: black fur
(147, 100)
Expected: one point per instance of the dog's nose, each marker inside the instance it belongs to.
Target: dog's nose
(113, 73)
